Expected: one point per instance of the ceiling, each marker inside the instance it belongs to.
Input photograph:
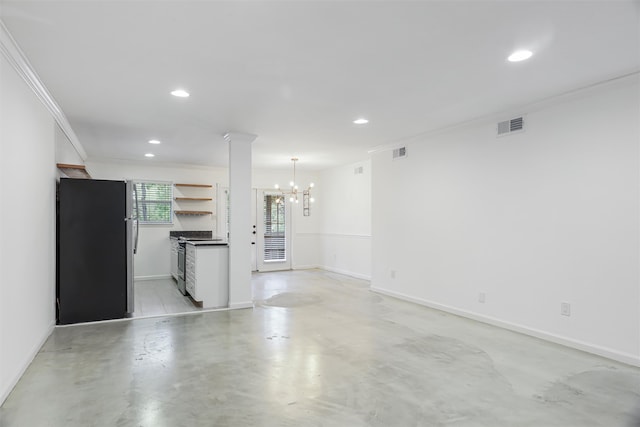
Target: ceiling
(297, 73)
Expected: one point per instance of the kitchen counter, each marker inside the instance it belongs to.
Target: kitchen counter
(198, 234)
(207, 272)
(212, 242)
(178, 236)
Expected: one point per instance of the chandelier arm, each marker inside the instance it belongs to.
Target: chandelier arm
(292, 194)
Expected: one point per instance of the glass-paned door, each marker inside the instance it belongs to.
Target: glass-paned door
(274, 242)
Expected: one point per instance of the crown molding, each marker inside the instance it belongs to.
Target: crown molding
(154, 164)
(232, 137)
(12, 52)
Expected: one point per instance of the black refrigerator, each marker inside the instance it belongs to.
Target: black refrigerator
(97, 233)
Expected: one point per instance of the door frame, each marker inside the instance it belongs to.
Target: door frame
(263, 265)
(254, 231)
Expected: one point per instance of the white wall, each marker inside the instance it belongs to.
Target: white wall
(531, 220)
(27, 226)
(345, 212)
(65, 151)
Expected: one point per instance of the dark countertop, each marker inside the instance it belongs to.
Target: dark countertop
(202, 234)
(207, 242)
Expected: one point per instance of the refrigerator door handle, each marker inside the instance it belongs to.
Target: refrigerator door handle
(135, 244)
(135, 226)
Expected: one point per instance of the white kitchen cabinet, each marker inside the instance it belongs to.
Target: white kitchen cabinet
(174, 257)
(207, 273)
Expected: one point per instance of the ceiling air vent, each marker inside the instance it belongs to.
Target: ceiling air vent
(399, 153)
(511, 126)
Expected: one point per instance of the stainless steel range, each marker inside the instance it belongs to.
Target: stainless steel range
(181, 266)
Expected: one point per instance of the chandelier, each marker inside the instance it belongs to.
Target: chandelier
(294, 192)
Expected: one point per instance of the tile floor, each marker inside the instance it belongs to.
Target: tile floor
(157, 297)
(318, 349)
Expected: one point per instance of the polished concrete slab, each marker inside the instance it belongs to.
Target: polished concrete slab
(319, 349)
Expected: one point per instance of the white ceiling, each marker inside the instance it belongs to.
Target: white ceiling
(296, 73)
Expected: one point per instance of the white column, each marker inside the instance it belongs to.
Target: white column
(240, 295)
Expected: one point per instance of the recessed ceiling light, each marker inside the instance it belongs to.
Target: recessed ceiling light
(154, 141)
(180, 93)
(149, 155)
(361, 121)
(519, 55)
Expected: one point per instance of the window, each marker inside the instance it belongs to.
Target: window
(154, 202)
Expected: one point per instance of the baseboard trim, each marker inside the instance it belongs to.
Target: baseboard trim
(627, 358)
(32, 355)
(304, 267)
(350, 236)
(345, 272)
(151, 316)
(158, 277)
(240, 305)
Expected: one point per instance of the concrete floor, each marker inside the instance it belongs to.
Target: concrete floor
(318, 349)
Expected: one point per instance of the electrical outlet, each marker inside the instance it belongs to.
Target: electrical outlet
(393, 274)
(565, 309)
(482, 297)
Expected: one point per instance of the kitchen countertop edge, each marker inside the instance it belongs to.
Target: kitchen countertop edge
(206, 243)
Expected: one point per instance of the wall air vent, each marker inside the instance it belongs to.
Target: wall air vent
(358, 171)
(510, 126)
(399, 153)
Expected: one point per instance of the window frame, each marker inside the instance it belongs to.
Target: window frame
(137, 183)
